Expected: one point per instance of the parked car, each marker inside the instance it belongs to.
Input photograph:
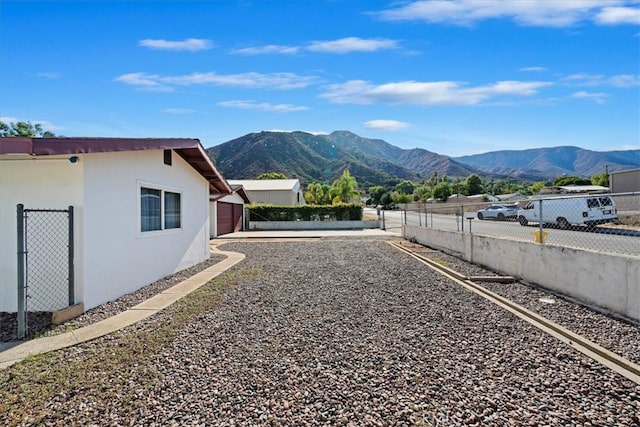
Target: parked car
(499, 212)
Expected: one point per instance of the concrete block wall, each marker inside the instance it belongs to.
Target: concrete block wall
(608, 281)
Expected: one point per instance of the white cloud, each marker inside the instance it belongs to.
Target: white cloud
(533, 69)
(619, 80)
(618, 15)
(48, 75)
(625, 80)
(546, 13)
(386, 125)
(263, 106)
(339, 46)
(178, 111)
(351, 44)
(268, 49)
(426, 93)
(191, 45)
(155, 82)
(598, 98)
(144, 81)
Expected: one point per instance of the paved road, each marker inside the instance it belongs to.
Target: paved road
(604, 239)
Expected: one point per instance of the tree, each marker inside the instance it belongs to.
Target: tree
(405, 187)
(473, 185)
(386, 199)
(317, 194)
(375, 193)
(602, 179)
(571, 180)
(272, 175)
(27, 129)
(343, 190)
(536, 187)
(433, 180)
(421, 193)
(398, 197)
(442, 191)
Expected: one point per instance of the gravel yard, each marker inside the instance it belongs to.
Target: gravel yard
(327, 332)
(41, 325)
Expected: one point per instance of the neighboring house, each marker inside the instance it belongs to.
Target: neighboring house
(511, 197)
(226, 211)
(283, 192)
(141, 210)
(455, 198)
(479, 198)
(574, 189)
(626, 181)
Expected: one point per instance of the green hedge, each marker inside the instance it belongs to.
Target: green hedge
(341, 212)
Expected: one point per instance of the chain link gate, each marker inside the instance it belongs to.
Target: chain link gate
(45, 266)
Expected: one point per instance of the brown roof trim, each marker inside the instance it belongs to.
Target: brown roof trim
(189, 149)
(16, 145)
(241, 192)
(239, 189)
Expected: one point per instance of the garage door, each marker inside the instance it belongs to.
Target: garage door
(229, 217)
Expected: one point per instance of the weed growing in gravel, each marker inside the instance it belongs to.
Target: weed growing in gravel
(441, 262)
(40, 388)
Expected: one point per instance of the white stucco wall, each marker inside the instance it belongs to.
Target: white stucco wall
(213, 219)
(119, 257)
(112, 256)
(51, 183)
(275, 197)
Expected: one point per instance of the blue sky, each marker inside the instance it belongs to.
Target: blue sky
(454, 77)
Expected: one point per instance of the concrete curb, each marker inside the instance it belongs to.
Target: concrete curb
(135, 314)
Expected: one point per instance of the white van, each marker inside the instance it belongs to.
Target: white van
(566, 211)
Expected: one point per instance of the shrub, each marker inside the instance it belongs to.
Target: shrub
(339, 212)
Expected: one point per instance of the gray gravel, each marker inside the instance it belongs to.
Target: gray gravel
(353, 332)
(611, 332)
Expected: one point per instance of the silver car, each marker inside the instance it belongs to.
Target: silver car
(499, 212)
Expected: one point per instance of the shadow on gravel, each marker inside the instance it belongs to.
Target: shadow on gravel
(38, 323)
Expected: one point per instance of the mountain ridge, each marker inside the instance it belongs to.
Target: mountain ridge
(323, 158)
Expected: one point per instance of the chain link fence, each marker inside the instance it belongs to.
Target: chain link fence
(45, 266)
(598, 222)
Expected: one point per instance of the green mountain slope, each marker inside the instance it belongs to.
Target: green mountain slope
(323, 158)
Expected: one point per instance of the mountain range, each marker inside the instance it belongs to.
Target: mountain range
(323, 158)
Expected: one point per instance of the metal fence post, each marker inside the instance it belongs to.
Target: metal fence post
(21, 313)
(72, 298)
(541, 224)
(383, 224)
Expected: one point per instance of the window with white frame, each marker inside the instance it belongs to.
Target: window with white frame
(159, 209)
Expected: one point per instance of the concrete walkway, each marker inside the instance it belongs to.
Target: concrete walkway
(14, 352)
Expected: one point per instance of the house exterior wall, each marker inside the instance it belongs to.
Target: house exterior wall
(28, 181)
(119, 257)
(213, 219)
(275, 197)
(625, 181)
(112, 256)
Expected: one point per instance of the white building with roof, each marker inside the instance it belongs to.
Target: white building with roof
(140, 213)
(279, 192)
